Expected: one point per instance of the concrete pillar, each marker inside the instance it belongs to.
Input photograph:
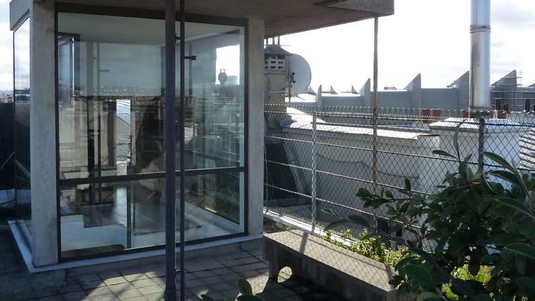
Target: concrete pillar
(255, 112)
(43, 134)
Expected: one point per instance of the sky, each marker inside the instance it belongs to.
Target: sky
(430, 37)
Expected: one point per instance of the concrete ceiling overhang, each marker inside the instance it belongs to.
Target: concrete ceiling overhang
(280, 16)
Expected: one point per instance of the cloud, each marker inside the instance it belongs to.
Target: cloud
(513, 14)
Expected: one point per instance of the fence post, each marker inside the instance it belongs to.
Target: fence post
(375, 98)
(481, 148)
(313, 176)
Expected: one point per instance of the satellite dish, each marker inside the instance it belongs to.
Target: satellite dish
(299, 74)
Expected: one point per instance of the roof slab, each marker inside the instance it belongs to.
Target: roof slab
(280, 16)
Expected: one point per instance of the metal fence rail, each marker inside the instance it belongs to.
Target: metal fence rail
(318, 157)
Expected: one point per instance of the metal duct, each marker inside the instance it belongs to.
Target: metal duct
(480, 56)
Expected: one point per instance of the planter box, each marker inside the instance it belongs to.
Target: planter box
(346, 273)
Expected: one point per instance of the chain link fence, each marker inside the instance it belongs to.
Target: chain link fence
(318, 157)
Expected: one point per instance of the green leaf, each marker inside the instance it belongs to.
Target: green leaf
(474, 200)
(473, 268)
(504, 239)
(205, 297)
(483, 297)
(363, 193)
(456, 141)
(249, 298)
(522, 249)
(461, 287)
(490, 258)
(443, 153)
(506, 175)
(335, 224)
(526, 285)
(498, 159)
(520, 264)
(407, 185)
(359, 220)
(428, 296)
(370, 235)
(245, 288)
(517, 205)
(419, 274)
(467, 158)
(404, 262)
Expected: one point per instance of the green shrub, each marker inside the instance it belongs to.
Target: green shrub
(368, 246)
(472, 226)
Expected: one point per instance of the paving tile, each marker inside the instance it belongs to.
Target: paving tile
(120, 288)
(147, 281)
(161, 280)
(8, 296)
(51, 298)
(154, 296)
(212, 280)
(92, 284)
(194, 283)
(149, 267)
(87, 277)
(105, 297)
(70, 288)
(74, 296)
(41, 293)
(203, 274)
(147, 290)
(98, 291)
(135, 277)
(155, 273)
(20, 296)
(115, 280)
(108, 274)
(139, 298)
(130, 271)
(128, 294)
(143, 283)
(221, 287)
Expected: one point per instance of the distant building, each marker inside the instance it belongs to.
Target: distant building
(506, 95)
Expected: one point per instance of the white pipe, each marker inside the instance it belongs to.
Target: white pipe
(480, 56)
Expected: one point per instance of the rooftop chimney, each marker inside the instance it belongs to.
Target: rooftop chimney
(480, 56)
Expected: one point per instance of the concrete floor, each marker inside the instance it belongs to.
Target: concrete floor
(216, 275)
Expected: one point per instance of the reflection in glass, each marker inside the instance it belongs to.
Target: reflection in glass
(215, 106)
(110, 217)
(22, 118)
(111, 121)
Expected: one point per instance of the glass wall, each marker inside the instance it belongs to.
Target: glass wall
(111, 145)
(21, 83)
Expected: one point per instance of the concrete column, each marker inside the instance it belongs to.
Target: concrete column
(43, 134)
(255, 112)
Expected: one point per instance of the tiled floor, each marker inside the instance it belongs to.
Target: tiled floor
(216, 275)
